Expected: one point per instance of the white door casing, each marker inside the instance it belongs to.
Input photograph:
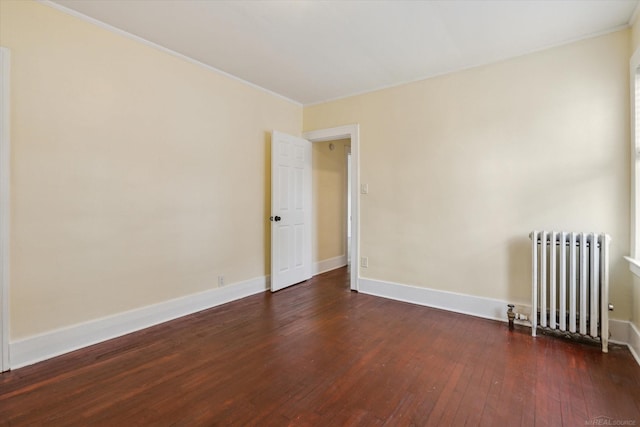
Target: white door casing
(290, 210)
(4, 209)
(351, 132)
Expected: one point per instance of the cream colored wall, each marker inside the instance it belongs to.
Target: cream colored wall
(330, 199)
(122, 156)
(136, 177)
(635, 34)
(461, 168)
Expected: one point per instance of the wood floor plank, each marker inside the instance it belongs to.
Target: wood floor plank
(317, 354)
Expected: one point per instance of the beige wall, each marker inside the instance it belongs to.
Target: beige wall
(462, 167)
(122, 160)
(635, 34)
(330, 199)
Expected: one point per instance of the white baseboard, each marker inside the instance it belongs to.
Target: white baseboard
(50, 344)
(45, 346)
(619, 331)
(487, 308)
(329, 264)
(622, 332)
(634, 341)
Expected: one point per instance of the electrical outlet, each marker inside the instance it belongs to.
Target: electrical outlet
(220, 281)
(364, 262)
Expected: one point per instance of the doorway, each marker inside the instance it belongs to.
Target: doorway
(351, 133)
(330, 200)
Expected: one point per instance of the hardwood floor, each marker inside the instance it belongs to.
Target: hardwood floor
(319, 355)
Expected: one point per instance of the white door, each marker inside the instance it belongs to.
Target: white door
(290, 210)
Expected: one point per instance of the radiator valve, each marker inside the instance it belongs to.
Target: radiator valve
(511, 315)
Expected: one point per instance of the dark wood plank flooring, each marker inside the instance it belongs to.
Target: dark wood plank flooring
(319, 355)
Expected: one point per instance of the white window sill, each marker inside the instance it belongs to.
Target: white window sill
(634, 265)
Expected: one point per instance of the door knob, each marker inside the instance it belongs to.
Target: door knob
(277, 218)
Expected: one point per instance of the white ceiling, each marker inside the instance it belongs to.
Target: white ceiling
(312, 51)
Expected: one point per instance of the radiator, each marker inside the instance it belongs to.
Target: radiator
(570, 283)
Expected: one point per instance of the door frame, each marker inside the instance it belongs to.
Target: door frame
(4, 208)
(353, 133)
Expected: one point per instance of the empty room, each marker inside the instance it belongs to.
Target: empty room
(320, 213)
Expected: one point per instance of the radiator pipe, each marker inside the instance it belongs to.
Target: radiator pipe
(511, 315)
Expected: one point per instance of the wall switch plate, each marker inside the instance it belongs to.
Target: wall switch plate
(364, 262)
(364, 188)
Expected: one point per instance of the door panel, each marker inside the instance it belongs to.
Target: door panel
(290, 210)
